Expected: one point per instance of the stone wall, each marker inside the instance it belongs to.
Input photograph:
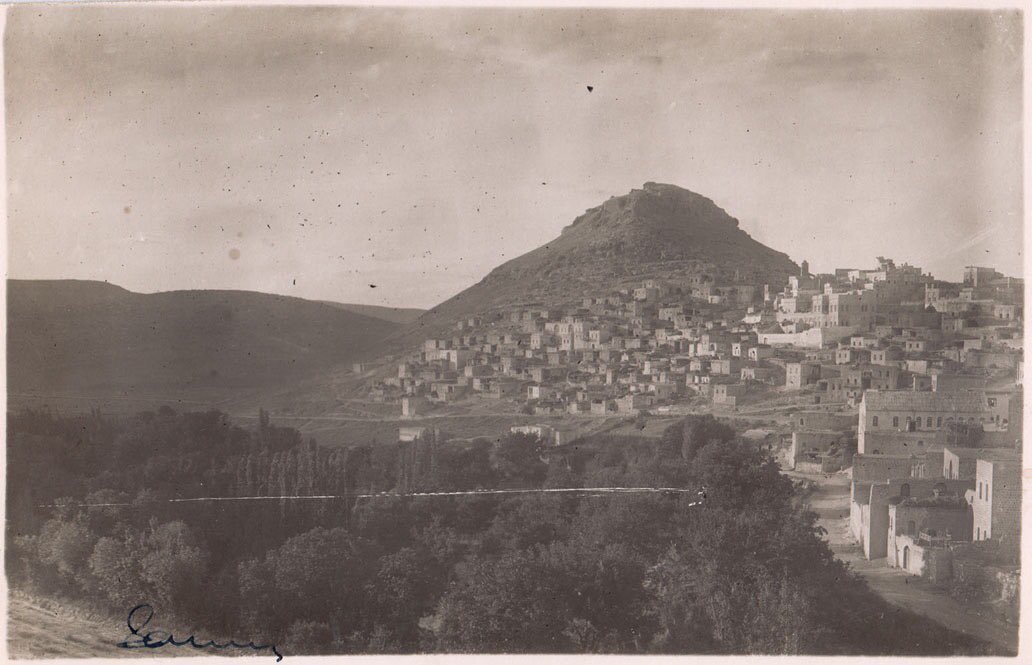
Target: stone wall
(868, 468)
(938, 565)
(806, 443)
(903, 443)
(1006, 504)
(942, 520)
(838, 421)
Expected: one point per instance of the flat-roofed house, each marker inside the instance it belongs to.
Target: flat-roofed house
(887, 411)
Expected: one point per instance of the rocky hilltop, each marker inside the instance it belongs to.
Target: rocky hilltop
(658, 231)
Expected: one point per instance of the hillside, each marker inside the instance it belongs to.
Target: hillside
(659, 231)
(400, 315)
(97, 339)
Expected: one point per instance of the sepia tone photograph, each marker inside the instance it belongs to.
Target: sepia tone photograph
(337, 330)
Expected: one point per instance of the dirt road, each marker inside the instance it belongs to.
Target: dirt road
(831, 502)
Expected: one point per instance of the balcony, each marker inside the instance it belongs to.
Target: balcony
(934, 539)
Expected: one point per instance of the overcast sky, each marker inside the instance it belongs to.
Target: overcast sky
(316, 151)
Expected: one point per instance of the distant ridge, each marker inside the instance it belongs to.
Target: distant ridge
(98, 339)
(400, 315)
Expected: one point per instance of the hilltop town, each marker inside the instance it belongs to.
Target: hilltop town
(910, 384)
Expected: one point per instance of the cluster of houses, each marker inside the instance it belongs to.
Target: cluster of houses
(824, 339)
(913, 382)
(931, 427)
(629, 351)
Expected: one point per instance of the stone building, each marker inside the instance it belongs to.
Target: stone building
(801, 374)
(911, 411)
(996, 501)
(869, 506)
(922, 529)
(839, 421)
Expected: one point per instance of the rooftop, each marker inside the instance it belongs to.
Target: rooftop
(910, 400)
(988, 454)
(942, 501)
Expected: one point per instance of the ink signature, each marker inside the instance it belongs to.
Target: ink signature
(141, 615)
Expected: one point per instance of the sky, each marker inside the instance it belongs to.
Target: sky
(394, 156)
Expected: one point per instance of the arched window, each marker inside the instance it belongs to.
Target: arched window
(978, 533)
(929, 422)
(904, 490)
(979, 489)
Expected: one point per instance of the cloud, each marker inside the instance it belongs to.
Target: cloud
(378, 134)
(802, 64)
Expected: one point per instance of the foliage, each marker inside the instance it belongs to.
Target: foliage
(733, 566)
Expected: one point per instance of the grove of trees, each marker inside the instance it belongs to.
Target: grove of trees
(91, 518)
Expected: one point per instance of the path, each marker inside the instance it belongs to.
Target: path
(831, 502)
(45, 629)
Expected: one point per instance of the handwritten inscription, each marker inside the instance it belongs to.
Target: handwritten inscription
(141, 615)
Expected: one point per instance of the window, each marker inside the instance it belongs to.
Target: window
(911, 528)
(904, 490)
(895, 421)
(928, 422)
(938, 421)
(875, 421)
(979, 489)
(978, 533)
(987, 491)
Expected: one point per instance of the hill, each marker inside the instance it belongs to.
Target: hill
(100, 340)
(400, 315)
(659, 231)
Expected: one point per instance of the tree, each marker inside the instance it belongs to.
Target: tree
(403, 590)
(316, 576)
(67, 545)
(175, 566)
(698, 431)
(517, 457)
(512, 604)
(117, 567)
